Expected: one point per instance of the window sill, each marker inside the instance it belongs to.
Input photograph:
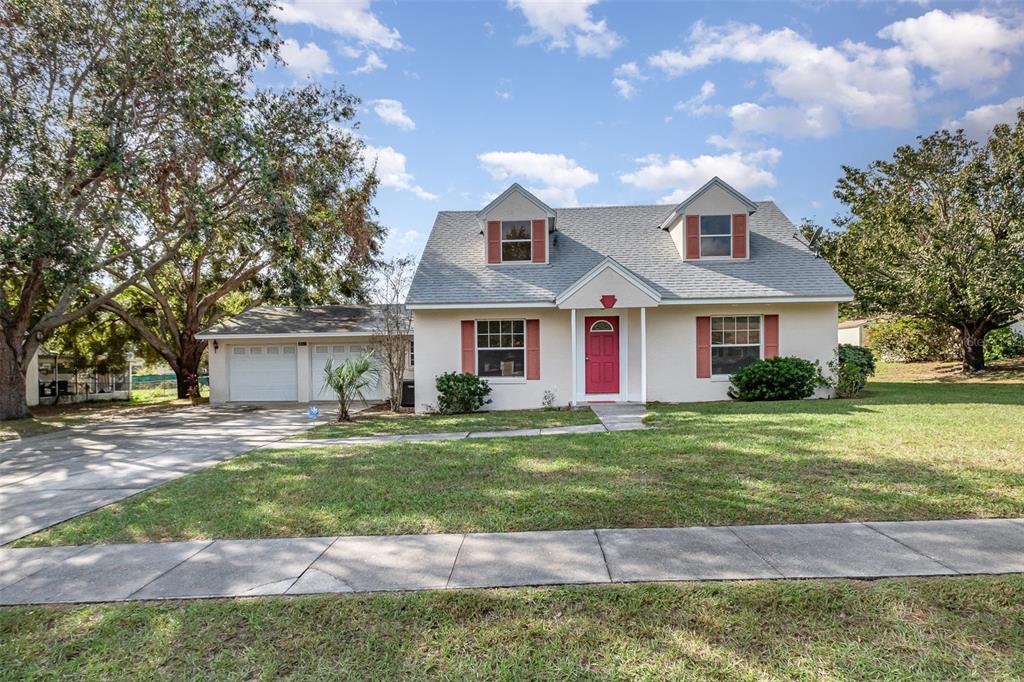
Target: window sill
(721, 377)
(504, 380)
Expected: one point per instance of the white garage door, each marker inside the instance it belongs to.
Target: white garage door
(260, 373)
(337, 353)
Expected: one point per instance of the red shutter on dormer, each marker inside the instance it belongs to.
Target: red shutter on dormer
(703, 347)
(539, 236)
(771, 336)
(693, 236)
(739, 235)
(532, 349)
(469, 346)
(493, 241)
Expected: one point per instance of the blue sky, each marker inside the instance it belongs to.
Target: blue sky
(598, 103)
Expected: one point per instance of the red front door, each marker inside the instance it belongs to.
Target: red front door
(602, 354)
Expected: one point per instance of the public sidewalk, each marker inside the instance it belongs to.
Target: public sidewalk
(240, 568)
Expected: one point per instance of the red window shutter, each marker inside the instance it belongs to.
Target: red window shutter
(693, 236)
(493, 241)
(703, 347)
(539, 236)
(739, 235)
(771, 336)
(469, 346)
(532, 349)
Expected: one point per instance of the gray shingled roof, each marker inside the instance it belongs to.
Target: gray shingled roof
(453, 269)
(325, 319)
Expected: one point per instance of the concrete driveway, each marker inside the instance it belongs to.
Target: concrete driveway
(48, 479)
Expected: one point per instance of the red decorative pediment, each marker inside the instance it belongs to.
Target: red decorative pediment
(608, 300)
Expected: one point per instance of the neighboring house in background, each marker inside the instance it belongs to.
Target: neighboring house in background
(617, 303)
(278, 353)
(1018, 326)
(854, 332)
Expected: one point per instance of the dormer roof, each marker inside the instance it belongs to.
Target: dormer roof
(718, 182)
(515, 188)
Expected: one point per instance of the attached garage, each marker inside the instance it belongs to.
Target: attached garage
(278, 353)
(263, 373)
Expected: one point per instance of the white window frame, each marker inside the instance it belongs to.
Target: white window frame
(700, 235)
(476, 354)
(502, 241)
(713, 345)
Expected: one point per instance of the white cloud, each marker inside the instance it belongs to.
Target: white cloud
(963, 49)
(743, 170)
(349, 51)
(558, 175)
(351, 19)
(868, 86)
(566, 23)
(391, 170)
(393, 113)
(305, 61)
(697, 105)
(812, 121)
(626, 76)
(372, 63)
(503, 95)
(978, 123)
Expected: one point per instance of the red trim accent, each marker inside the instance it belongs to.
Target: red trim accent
(493, 241)
(539, 237)
(703, 347)
(771, 336)
(608, 301)
(739, 235)
(693, 236)
(532, 349)
(469, 346)
(601, 363)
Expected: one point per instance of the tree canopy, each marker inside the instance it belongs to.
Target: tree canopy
(938, 232)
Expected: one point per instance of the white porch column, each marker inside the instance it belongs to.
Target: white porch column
(643, 355)
(572, 332)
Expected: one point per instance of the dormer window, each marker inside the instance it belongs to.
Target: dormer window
(516, 241)
(716, 236)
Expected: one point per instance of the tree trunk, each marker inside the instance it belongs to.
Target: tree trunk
(12, 385)
(187, 363)
(973, 344)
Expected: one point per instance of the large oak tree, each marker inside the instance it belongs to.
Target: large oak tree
(938, 233)
(93, 96)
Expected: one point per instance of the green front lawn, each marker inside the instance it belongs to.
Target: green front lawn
(909, 629)
(377, 424)
(907, 450)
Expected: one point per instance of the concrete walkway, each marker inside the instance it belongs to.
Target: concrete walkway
(233, 568)
(613, 417)
(48, 479)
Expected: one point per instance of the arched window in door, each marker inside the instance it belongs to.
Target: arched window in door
(602, 326)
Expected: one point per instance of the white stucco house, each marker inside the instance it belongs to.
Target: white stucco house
(617, 303)
(608, 304)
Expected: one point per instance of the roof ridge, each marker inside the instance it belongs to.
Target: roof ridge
(584, 208)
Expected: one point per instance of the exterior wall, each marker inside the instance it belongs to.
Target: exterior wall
(218, 363)
(516, 207)
(806, 330)
(438, 341)
(852, 335)
(32, 381)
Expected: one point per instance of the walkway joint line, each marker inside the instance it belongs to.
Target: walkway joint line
(604, 557)
(455, 562)
(915, 551)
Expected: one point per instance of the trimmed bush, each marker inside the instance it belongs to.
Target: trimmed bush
(459, 392)
(785, 378)
(1003, 343)
(912, 339)
(852, 366)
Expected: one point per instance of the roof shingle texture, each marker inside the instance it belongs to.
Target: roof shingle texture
(324, 319)
(453, 269)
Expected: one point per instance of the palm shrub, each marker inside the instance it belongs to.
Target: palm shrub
(851, 368)
(782, 378)
(459, 392)
(350, 380)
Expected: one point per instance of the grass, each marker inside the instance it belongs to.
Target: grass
(906, 450)
(378, 424)
(908, 629)
(50, 418)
